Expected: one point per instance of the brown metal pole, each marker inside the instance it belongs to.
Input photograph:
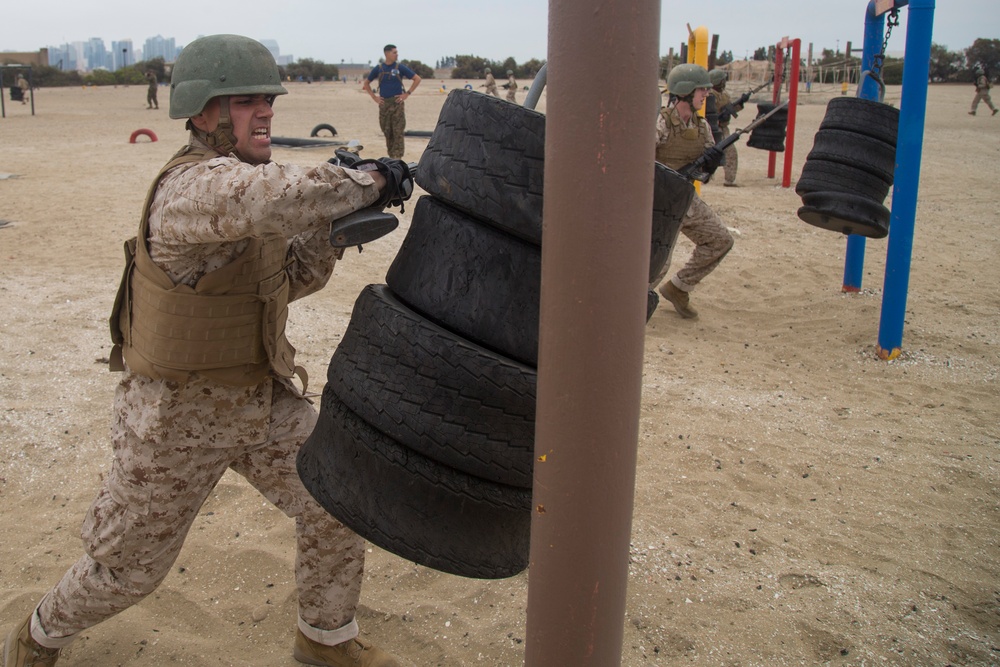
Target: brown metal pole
(601, 100)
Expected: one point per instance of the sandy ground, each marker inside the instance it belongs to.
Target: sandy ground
(798, 501)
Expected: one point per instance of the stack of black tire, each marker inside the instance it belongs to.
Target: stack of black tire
(848, 173)
(770, 135)
(425, 439)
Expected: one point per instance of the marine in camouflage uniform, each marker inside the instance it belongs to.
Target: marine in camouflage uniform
(221, 225)
(391, 97)
(681, 137)
(511, 87)
(722, 101)
(982, 91)
(491, 84)
(151, 101)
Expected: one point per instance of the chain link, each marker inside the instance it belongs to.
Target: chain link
(879, 59)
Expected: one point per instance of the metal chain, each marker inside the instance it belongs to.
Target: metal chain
(879, 59)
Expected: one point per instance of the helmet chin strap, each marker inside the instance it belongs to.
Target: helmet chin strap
(222, 139)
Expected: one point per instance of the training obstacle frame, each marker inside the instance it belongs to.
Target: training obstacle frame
(909, 151)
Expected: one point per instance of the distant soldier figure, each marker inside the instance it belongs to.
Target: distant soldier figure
(511, 87)
(22, 83)
(982, 90)
(390, 98)
(723, 103)
(151, 102)
(491, 84)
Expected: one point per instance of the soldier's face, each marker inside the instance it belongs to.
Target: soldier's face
(251, 118)
(698, 98)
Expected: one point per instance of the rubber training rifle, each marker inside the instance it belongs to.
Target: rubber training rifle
(730, 109)
(695, 170)
(367, 224)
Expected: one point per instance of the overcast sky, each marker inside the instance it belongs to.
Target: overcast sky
(335, 30)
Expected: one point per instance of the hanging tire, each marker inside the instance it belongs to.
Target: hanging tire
(872, 155)
(868, 117)
(410, 505)
(434, 392)
(485, 157)
(825, 176)
(470, 278)
(845, 213)
(323, 127)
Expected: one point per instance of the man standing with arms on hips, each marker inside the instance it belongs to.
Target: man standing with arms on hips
(390, 98)
(681, 137)
(226, 240)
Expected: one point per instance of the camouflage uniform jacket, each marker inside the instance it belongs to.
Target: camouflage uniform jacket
(201, 218)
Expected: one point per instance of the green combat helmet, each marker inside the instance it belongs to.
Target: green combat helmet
(718, 76)
(685, 79)
(221, 65)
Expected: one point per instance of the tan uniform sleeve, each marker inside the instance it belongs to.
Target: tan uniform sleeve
(224, 200)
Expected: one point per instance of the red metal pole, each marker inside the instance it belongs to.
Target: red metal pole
(793, 100)
(599, 150)
(779, 65)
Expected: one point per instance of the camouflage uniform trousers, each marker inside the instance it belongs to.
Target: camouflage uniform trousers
(732, 160)
(151, 96)
(512, 93)
(982, 94)
(136, 527)
(392, 120)
(712, 242)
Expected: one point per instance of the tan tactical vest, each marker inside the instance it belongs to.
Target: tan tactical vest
(683, 144)
(230, 327)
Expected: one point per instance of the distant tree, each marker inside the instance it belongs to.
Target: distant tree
(985, 52)
(156, 64)
(100, 77)
(724, 58)
(531, 68)
(51, 77)
(471, 67)
(312, 70)
(945, 64)
(421, 70)
(760, 53)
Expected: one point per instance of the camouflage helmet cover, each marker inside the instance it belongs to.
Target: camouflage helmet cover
(221, 65)
(685, 79)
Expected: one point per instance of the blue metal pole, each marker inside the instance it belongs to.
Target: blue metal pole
(909, 149)
(854, 262)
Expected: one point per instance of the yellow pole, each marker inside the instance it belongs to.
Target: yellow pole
(698, 44)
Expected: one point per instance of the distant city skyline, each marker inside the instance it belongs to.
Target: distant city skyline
(350, 32)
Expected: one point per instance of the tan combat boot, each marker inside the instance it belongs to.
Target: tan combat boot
(679, 298)
(352, 653)
(21, 650)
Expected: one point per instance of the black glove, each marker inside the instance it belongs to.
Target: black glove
(713, 158)
(726, 114)
(345, 158)
(398, 180)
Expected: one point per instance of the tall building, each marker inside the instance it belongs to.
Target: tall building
(95, 55)
(122, 54)
(160, 47)
(272, 46)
